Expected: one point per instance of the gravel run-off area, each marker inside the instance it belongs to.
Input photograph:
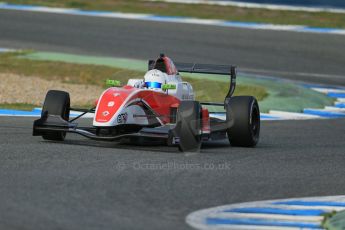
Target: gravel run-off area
(32, 90)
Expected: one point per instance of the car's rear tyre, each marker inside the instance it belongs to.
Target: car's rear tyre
(188, 126)
(245, 114)
(56, 103)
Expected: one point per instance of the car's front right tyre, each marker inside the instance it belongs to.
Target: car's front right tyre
(245, 114)
(188, 126)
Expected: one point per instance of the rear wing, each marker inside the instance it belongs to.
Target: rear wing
(204, 68)
(228, 70)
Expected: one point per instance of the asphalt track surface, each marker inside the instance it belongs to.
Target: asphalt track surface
(82, 184)
(316, 58)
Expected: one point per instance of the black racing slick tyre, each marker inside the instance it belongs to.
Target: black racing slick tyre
(188, 126)
(245, 114)
(56, 103)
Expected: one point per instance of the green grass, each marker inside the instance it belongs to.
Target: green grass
(18, 106)
(61, 71)
(215, 91)
(315, 19)
(334, 221)
(97, 74)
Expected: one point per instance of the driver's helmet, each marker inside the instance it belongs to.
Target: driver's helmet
(154, 79)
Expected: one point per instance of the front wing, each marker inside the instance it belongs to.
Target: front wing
(49, 123)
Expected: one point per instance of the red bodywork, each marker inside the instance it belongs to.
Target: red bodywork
(205, 121)
(116, 99)
(160, 103)
(170, 66)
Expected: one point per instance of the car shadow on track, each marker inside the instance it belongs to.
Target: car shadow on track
(159, 147)
(118, 145)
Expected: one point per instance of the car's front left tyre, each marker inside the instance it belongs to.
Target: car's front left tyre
(56, 103)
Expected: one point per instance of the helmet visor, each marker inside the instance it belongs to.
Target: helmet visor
(151, 84)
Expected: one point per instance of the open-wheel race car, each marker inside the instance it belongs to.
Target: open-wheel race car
(161, 107)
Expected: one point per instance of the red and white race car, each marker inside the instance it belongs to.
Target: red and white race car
(161, 106)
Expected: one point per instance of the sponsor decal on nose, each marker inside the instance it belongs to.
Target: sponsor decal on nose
(111, 103)
(105, 113)
(122, 118)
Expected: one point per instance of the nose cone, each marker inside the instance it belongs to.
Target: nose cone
(110, 102)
